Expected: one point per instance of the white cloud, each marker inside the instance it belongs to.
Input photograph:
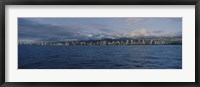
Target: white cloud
(146, 33)
(140, 33)
(89, 35)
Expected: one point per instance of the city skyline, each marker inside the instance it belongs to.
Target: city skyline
(32, 30)
(121, 41)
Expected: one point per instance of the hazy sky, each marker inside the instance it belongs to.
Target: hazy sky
(69, 29)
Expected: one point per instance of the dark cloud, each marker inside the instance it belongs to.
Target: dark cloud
(37, 32)
(43, 32)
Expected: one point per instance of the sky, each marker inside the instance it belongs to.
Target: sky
(74, 29)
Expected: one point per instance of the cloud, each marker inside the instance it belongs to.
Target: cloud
(146, 33)
(89, 35)
(140, 33)
(44, 32)
(31, 31)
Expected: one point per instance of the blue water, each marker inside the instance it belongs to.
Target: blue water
(100, 57)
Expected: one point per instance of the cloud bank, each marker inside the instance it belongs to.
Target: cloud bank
(31, 31)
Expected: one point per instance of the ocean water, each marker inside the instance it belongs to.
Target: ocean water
(100, 57)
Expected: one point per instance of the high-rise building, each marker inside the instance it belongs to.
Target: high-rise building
(131, 42)
(127, 42)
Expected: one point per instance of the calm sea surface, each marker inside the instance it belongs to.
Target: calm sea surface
(100, 57)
